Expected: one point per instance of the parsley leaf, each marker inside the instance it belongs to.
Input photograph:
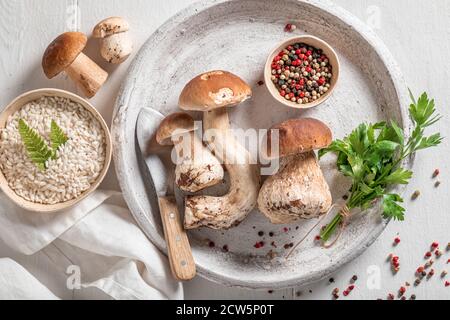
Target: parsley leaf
(391, 208)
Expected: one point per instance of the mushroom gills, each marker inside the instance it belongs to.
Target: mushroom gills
(297, 191)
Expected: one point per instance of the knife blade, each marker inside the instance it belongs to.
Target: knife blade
(161, 169)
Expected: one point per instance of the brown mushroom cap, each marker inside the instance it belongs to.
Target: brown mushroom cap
(110, 26)
(214, 89)
(299, 136)
(175, 124)
(62, 52)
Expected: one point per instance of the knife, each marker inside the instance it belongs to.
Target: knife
(161, 169)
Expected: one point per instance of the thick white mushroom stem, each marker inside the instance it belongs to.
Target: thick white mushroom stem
(87, 75)
(196, 167)
(228, 210)
(297, 191)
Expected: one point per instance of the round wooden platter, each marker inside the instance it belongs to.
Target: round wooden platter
(238, 36)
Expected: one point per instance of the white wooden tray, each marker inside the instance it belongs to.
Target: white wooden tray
(237, 36)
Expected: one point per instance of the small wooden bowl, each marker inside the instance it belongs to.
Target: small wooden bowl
(316, 43)
(15, 105)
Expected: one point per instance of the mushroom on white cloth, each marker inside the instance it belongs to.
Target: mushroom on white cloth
(212, 93)
(298, 190)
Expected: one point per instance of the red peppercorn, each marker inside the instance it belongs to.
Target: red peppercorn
(428, 254)
(447, 283)
(434, 245)
(259, 244)
(285, 229)
(302, 56)
(420, 269)
(277, 58)
(436, 173)
(281, 53)
(308, 53)
(308, 69)
(351, 287)
(297, 52)
(448, 261)
(290, 47)
(302, 94)
(282, 93)
(395, 258)
(397, 240)
(288, 27)
(318, 237)
(302, 82)
(345, 293)
(321, 81)
(291, 95)
(402, 290)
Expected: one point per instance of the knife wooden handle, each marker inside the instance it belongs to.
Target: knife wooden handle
(180, 255)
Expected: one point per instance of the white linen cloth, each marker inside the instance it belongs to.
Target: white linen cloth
(98, 237)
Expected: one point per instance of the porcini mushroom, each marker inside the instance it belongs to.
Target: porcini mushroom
(65, 54)
(115, 42)
(298, 190)
(212, 93)
(196, 168)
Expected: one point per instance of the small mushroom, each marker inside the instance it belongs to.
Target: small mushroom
(298, 190)
(196, 167)
(115, 42)
(212, 93)
(65, 54)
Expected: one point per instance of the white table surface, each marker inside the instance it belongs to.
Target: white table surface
(417, 33)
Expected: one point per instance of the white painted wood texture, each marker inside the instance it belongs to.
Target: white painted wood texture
(416, 33)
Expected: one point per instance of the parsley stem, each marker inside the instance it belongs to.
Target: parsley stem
(331, 227)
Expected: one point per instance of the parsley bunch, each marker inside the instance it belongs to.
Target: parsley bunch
(371, 157)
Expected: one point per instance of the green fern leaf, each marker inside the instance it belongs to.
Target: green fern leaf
(37, 149)
(57, 137)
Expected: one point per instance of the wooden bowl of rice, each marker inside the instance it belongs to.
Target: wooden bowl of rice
(79, 165)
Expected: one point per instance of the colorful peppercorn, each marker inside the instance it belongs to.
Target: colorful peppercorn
(301, 73)
(259, 244)
(436, 173)
(290, 27)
